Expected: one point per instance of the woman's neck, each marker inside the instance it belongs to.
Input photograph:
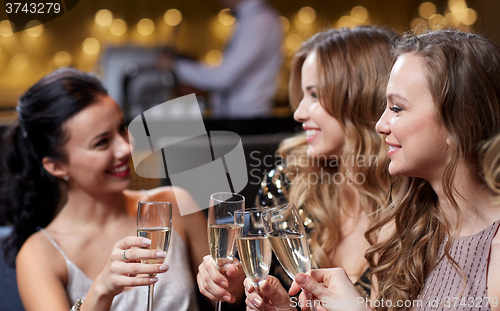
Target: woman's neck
(474, 202)
(92, 209)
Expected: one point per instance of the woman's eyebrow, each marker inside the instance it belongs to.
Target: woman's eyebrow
(309, 87)
(98, 136)
(396, 96)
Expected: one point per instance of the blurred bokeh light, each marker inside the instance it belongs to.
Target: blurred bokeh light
(172, 17)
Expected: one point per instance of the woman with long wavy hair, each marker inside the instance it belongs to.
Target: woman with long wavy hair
(64, 185)
(336, 171)
(436, 245)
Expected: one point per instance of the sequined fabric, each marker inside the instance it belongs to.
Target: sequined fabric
(273, 192)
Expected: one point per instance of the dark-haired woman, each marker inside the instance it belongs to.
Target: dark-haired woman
(71, 139)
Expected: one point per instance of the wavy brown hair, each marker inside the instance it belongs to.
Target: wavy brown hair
(463, 75)
(491, 165)
(353, 67)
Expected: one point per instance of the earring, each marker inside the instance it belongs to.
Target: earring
(66, 178)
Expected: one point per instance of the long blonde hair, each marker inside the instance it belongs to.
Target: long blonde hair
(352, 66)
(463, 74)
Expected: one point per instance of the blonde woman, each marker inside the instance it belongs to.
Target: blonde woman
(437, 247)
(335, 171)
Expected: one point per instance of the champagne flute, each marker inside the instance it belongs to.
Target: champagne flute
(253, 245)
(222, 229)
(154, 221)
(288, 239)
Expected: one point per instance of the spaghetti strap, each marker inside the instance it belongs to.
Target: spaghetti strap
(55, 244)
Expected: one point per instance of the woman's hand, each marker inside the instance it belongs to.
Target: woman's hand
(226, 286)
(331, 288)
(118, 273)
(273, 297)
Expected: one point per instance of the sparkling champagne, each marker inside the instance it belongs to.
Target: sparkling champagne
(255, 256)
(222, 240)
(292, 252)
(160, 239)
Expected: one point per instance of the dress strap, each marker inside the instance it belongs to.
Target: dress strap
(55, 244)
(494, 230)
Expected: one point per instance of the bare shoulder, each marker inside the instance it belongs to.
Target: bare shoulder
(41, 274)
(174, 195)
(49, 257)
(191, 226)
(386, 232)
(494, 274)
(165, 194)
(169, 192)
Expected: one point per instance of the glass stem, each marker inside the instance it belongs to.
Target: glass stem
(258, 292)
(219, 305)
(311, 299)
(151, 289)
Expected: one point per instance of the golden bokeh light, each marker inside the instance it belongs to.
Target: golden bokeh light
(226, 18)
(468, 17)
(293, 42)
(19, 61)
(34, 28)
(104, 17)
(118, 27)
(91, 46)
(145, 27)
(307, 15)
(62, 59)
(418, 25)
(172, 17)
(451, 20)
(285, 24)
(426, 10)
(214, 58)
(457, 6)
(346, 21)
(436, 22)
(359, 14)
(5, 29)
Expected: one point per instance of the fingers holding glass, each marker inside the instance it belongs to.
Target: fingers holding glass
(154, 223)
(222, 229)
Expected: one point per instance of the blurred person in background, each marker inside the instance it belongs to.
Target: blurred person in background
(244, 84)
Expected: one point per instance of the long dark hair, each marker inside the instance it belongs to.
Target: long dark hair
(29, 195)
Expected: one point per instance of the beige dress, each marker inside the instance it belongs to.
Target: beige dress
(448, 289)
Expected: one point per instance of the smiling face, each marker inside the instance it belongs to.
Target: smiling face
(417, 139)
(98, 151)
(324, 133)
